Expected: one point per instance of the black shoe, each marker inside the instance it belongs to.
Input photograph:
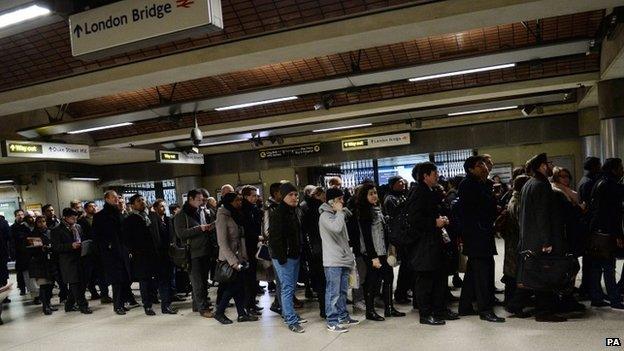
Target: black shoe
(222, 319)
(373, 316)
(150, 312)
(47, 311)
(133, 304)
(600, 304)
(491, 317)
(275, 309)
(392, 312)
(36, 301)
(126, 309)
(120, 311)
(246, 318)
(253, 312)
(550, 318)
(468, 313)
(71, 308)
(449, 315)
(85, 310)
(106, 300)
(6, 300)
(169, 310)
(432, 320)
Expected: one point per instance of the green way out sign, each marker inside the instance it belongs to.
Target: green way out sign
(133, 24)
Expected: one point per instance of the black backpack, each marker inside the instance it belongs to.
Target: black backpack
(400, 229)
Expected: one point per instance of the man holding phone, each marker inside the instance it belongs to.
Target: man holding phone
(189, 228)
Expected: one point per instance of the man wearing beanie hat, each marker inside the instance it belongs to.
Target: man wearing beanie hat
(337, 260)
(285, 248)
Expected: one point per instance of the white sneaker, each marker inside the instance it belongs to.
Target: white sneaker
(337, 329)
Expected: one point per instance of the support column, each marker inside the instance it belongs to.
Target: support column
(589, 132)
(611, 112)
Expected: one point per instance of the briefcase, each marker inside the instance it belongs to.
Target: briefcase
(546, 272)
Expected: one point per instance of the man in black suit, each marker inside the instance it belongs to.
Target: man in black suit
(66, 242)
(477, 212)
(427, 261)
(164, 236)
(92, 267)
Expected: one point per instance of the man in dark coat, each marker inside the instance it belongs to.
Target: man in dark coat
(164, 236)
(107, 233)
(312, 239)
(142, 249)
(586, 184)
(252, 230)
(5, 232)
(66, 242)
(541, 227)
(92, 267)
(17, 253)
(477, 212)
(427, 254)
(606, 208)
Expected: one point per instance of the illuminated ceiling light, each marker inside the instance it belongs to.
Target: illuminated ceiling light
(85, 179)
(100, 128)
(484, 110)
(263, 102)
(223, 142)
(340, 128)
(457, 73)
(23, 14)
(6, 182)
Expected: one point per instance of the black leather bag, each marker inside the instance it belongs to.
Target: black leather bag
(601, 245)
(180, 256)
(545, 272)
(224, 273)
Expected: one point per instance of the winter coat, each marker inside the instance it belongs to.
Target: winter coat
(424, 208)
(187, 227)
(62, 239)
(511, 235)
(231, 238)
(42, 264)
(107, 226)
(606, 206)
(284, 233)
(373, 238)
(310, 226)
(139, 240)
(334, 237)
(477, 212)
(252, 225)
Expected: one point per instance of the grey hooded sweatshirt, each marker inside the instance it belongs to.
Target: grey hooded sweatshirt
(334, 237)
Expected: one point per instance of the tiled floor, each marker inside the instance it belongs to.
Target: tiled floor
(27, 329)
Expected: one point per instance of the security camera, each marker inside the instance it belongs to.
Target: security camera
(196, 136)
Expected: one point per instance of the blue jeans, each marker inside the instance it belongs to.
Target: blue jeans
(288, 274)
(606, 267)
(336, 294)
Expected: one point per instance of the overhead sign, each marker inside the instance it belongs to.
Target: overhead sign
(179, 157)
(133, 24)
(376, 141)
(31, 149)
(299, 150)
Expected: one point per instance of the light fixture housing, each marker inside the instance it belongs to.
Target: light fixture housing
(7, 181)
(466, 71)
(341, 128)
(22, 14)
(256, 103)
(222, 142)
(85, 179)
(493, 109)
(100, 128)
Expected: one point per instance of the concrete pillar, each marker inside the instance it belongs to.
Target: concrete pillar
(611, 112)
(589, 131)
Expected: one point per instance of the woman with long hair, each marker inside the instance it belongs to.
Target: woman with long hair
(374, 248)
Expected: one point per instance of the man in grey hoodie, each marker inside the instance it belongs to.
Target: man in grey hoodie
(338, 260)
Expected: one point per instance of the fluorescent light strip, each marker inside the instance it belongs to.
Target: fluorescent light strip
(85, 179)
(340, 128)
(100, 128)
(481, 111)
(467, 71)
(6, 182)
(222, 142)
(263, 102)
(22, 14)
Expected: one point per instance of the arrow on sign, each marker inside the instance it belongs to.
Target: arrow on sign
(12, 147)
(78, 30)
(184, 3)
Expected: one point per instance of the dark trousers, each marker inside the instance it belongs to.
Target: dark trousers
(45, 295)
(234, 289)
(122, 293)
(478, 284)
(200, 267)
(76, 296)
(21, 283)
(145, 287)
(405, 280)
(93, 276)
(317, 277)
(545, 303)
(430, 293)
(374, 278)
(600, 267)
(585, 275)
(250, 282)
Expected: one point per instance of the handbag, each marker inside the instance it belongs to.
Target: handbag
(544, 272)
(601, 245)
(180, 256)
(263, 253)
(224, 273)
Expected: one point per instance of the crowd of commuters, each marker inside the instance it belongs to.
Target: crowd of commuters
(342, 244)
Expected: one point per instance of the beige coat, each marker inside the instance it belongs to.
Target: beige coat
(230, 238)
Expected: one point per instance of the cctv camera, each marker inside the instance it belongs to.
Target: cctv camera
(196, 136)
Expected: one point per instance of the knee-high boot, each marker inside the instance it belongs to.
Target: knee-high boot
(390, 311)
(371, 314)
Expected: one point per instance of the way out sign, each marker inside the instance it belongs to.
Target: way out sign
(133, 24)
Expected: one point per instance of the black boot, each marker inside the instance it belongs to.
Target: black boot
(45, 295)
(390, 311)
(371, 314)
